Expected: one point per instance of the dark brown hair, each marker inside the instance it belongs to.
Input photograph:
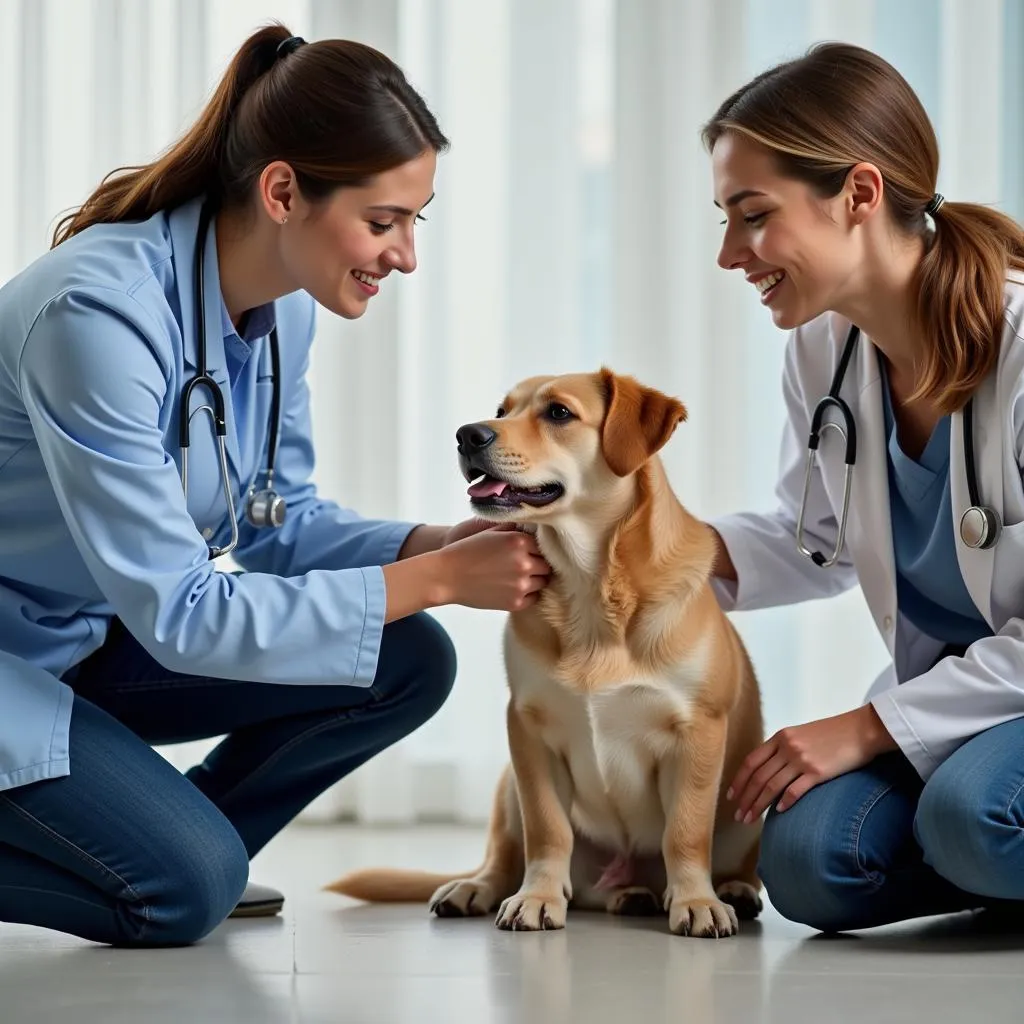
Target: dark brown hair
(840, 105)
(337, 111)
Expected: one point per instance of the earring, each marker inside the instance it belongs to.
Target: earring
(284, 219)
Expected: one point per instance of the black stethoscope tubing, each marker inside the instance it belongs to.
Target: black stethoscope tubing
(979, 525)
(263, 507)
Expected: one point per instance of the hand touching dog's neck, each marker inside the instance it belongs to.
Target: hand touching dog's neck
(643, 512)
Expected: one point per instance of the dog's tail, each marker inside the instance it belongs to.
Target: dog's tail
(392, 885)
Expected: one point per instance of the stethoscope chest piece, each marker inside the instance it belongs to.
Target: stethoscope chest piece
(979, 527)
(265, 508)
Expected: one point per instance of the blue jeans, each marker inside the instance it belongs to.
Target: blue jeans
(878, 845)
(128, 851)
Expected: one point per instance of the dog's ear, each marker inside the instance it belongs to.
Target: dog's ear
(637, 422)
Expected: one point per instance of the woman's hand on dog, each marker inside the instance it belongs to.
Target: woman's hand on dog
(796, 759)
(467, 528)
(493, 566)
(476, 564)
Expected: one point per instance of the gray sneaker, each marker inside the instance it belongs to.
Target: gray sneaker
(258, 901)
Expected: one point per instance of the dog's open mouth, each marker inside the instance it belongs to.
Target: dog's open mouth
(490, 492)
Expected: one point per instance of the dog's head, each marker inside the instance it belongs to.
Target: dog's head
(558, 443)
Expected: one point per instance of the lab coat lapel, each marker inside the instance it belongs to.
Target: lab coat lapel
(869, 532)
(184, 223)
(977, 565)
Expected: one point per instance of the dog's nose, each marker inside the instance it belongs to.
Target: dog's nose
(474, 437)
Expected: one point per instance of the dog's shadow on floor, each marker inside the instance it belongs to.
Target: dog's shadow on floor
(646, 922)
(967, 932)
(356, 914)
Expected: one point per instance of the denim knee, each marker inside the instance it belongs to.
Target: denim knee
(201, 880)
(969, 836)
(808, 875)
(418, 665)
(439, 665)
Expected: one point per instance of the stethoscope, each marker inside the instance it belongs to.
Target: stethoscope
(979, 525)
(263, 507)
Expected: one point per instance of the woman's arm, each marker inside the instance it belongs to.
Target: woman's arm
(422, 540)
(498, 567)
(94, 376)
(722, 566)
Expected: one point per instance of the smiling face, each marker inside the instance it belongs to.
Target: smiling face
(560, 444)
(798, 249)
(341, 248)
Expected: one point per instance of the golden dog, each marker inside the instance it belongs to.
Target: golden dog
(631, 694)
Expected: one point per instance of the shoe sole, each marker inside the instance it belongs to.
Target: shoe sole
(266, 908)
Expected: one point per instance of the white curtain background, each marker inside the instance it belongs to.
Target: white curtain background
(573, 225)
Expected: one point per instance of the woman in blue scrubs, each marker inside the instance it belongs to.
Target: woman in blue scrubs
(300, 183)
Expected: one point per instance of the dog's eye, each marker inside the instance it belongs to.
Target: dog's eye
(499, 413)
(559, 412)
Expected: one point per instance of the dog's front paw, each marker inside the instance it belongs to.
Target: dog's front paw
(532, 912)
(742, 897)
(465, 897)
(701, 918)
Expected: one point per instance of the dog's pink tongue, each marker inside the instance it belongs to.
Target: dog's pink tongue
(488, 488)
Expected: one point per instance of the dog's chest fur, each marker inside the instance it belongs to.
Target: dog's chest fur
(617, 741)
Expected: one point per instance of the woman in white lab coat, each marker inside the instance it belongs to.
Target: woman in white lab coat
(912, 804)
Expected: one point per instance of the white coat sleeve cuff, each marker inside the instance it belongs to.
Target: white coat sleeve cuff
(735, 595)
(903, 733)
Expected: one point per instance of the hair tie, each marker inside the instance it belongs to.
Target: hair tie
(935, 204)
(289, 45)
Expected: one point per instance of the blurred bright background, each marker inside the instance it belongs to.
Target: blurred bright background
(573, 226)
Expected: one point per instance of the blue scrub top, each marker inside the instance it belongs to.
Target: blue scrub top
(97, 339)
(929, 585)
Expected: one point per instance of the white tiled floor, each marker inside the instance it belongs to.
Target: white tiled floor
(327, 959)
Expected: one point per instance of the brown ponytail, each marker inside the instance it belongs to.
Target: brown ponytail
(840, 105)
(337, 111)
(960, 304)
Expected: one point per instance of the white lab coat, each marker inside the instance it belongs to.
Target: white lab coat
(930, 711)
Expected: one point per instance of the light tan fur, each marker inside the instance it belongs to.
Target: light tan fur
(631, 694)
